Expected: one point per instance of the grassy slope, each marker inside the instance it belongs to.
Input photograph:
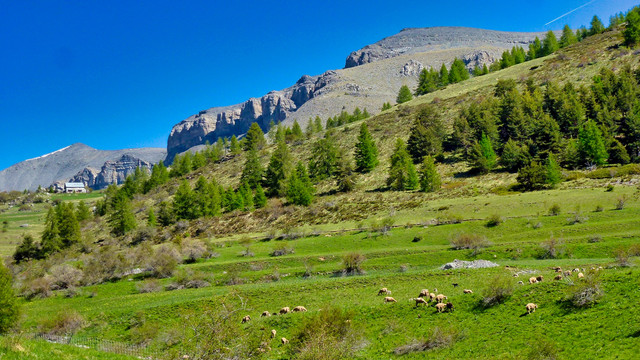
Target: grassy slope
(607, 330)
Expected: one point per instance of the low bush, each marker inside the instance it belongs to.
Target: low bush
(164, 261)
(65, 276)
(193, 249)
(554, 210)
(352, 263)
(585, 292)
(438, 339)
(469, 241)
(148, 286)
(494, 220)
(65, 323)
(282, 249)
(498, 290)
(39, 288)
(189, 279)
(551, 249)
(621, 202)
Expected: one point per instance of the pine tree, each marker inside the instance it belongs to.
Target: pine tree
(186, 164)
(278, 170)
(631, 32)
(151, 218)
(82, 211)
(426, 135)
(259, 199)
(591, 147)
(184, 202)
(532, 176)
(458, 71)
(121, 218)
(50, 240)
(366, 153)
(597, 27)
(252, 172)
(296, 131)
(514, 156)
(255, 138)
(386, 106)
(400, 169)
(9, 308)
(554, 172)
(550, 44)
(201, 199)
(507, 60)
(159, 176)
(568, 37)
(245, 193)
(234, 146)
(404, 94)
(324, 155)
(443, 76)
(68, 226)
(166, 216)
(482, 156)
(27, 250)
(535, 49)
(413, 181)
(345, 176)
(429, 176)
(317, 124)
(299, 188)
(427, 82)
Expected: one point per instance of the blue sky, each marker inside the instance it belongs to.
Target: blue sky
(119, 74)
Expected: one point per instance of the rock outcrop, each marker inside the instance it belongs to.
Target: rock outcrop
(63, 164)
(112, 172)
(372, 76)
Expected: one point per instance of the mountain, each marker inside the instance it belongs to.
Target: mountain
(63, 164)
(372, 76)
(112, 172)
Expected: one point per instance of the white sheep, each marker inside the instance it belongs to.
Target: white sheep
(440, 298)
(284, 310)
(531, 307)
(284, 341)
(467, 291)
(533, 280)
(384, 291)
(424, 293)
(273, 333)
(265, 314)
(246, 319)
(580, 275)
(419, 301)
(299, 309)
(440, 307)
(389, 299)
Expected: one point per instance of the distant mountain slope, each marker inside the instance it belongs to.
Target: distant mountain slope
(382, 68)
(63, 164)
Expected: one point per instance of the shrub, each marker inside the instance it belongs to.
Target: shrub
(595, 239)
(498, 290)
(585, 292)
(189, 279)
(143, 234)
(599, 208)
(554, 210)
(65, 323)
(148, 286)
(622, 256)
(543, 349)
(438, 339)
(103, 265)
(328, 334)
(621, 202)
(38, 288)
(352, 263)
(577, 218)
(9, 311)
(416, 239)
(282, 249)
(469, 241)
(193, 250)
(551, 249)
(494, 220)
(65, 276)
(164, 261)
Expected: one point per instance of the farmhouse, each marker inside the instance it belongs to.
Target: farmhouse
(74, 187)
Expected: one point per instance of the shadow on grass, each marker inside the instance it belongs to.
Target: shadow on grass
(635, 334)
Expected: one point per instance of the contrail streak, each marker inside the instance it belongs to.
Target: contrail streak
(563, 15)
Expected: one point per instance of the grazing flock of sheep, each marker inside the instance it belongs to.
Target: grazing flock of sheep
(285, 310)
(425, 297)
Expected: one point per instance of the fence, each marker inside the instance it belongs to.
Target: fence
(115, 347)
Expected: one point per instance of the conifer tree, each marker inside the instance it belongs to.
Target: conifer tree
(82, 211)
(234, 146)
(259, 198)
(458, 71)
(68, 226)
(255, 138)
(50, 240)
(278, 170)
(568, 37)
(159, 176)
(550, 44)
(27, 250)
(299, 188)
(532, 176)
(245, 193)
(554, 172)
(400, 166)
(166, 216)
(413, 181)
(591, 147)
(9, 309)
(631, 32)
(443, 76)
(252, 172)
(317, 124)
(404, 94)
(366, 153)
(296, 131)
(597, 27)
(151, 218)
(482, 156)
(429, 176)
(535, 49)
(184, 202)
(324, 155)
(345, 176)
(427, 82)
(386, 106)
(426, 135)
(121, 218)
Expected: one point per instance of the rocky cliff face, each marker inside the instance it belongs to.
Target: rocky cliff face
(112, 172)
(372, 76)
(416, 40)
(63, 164)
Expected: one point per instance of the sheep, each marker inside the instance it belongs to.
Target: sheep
(273, 333)
(419, 301)
(531, 307)
(284, 341)
(556, 269)
(576, 270)
(539, 278)
(450, 307)
(284, 310)
(567, 273)
(440, 298)
(435, 290)
(432, 297)
(516, 275)
(455, 284)
(246, 319)
(299, 309)
(533, 280)
(424, 293)
(389, 299)
(265, 314)
(520, 282)
(440, 307)
(467, 291)
(558, 277)
(384, 291)
(580, 275)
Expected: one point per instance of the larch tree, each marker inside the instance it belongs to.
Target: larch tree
(366, 153)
